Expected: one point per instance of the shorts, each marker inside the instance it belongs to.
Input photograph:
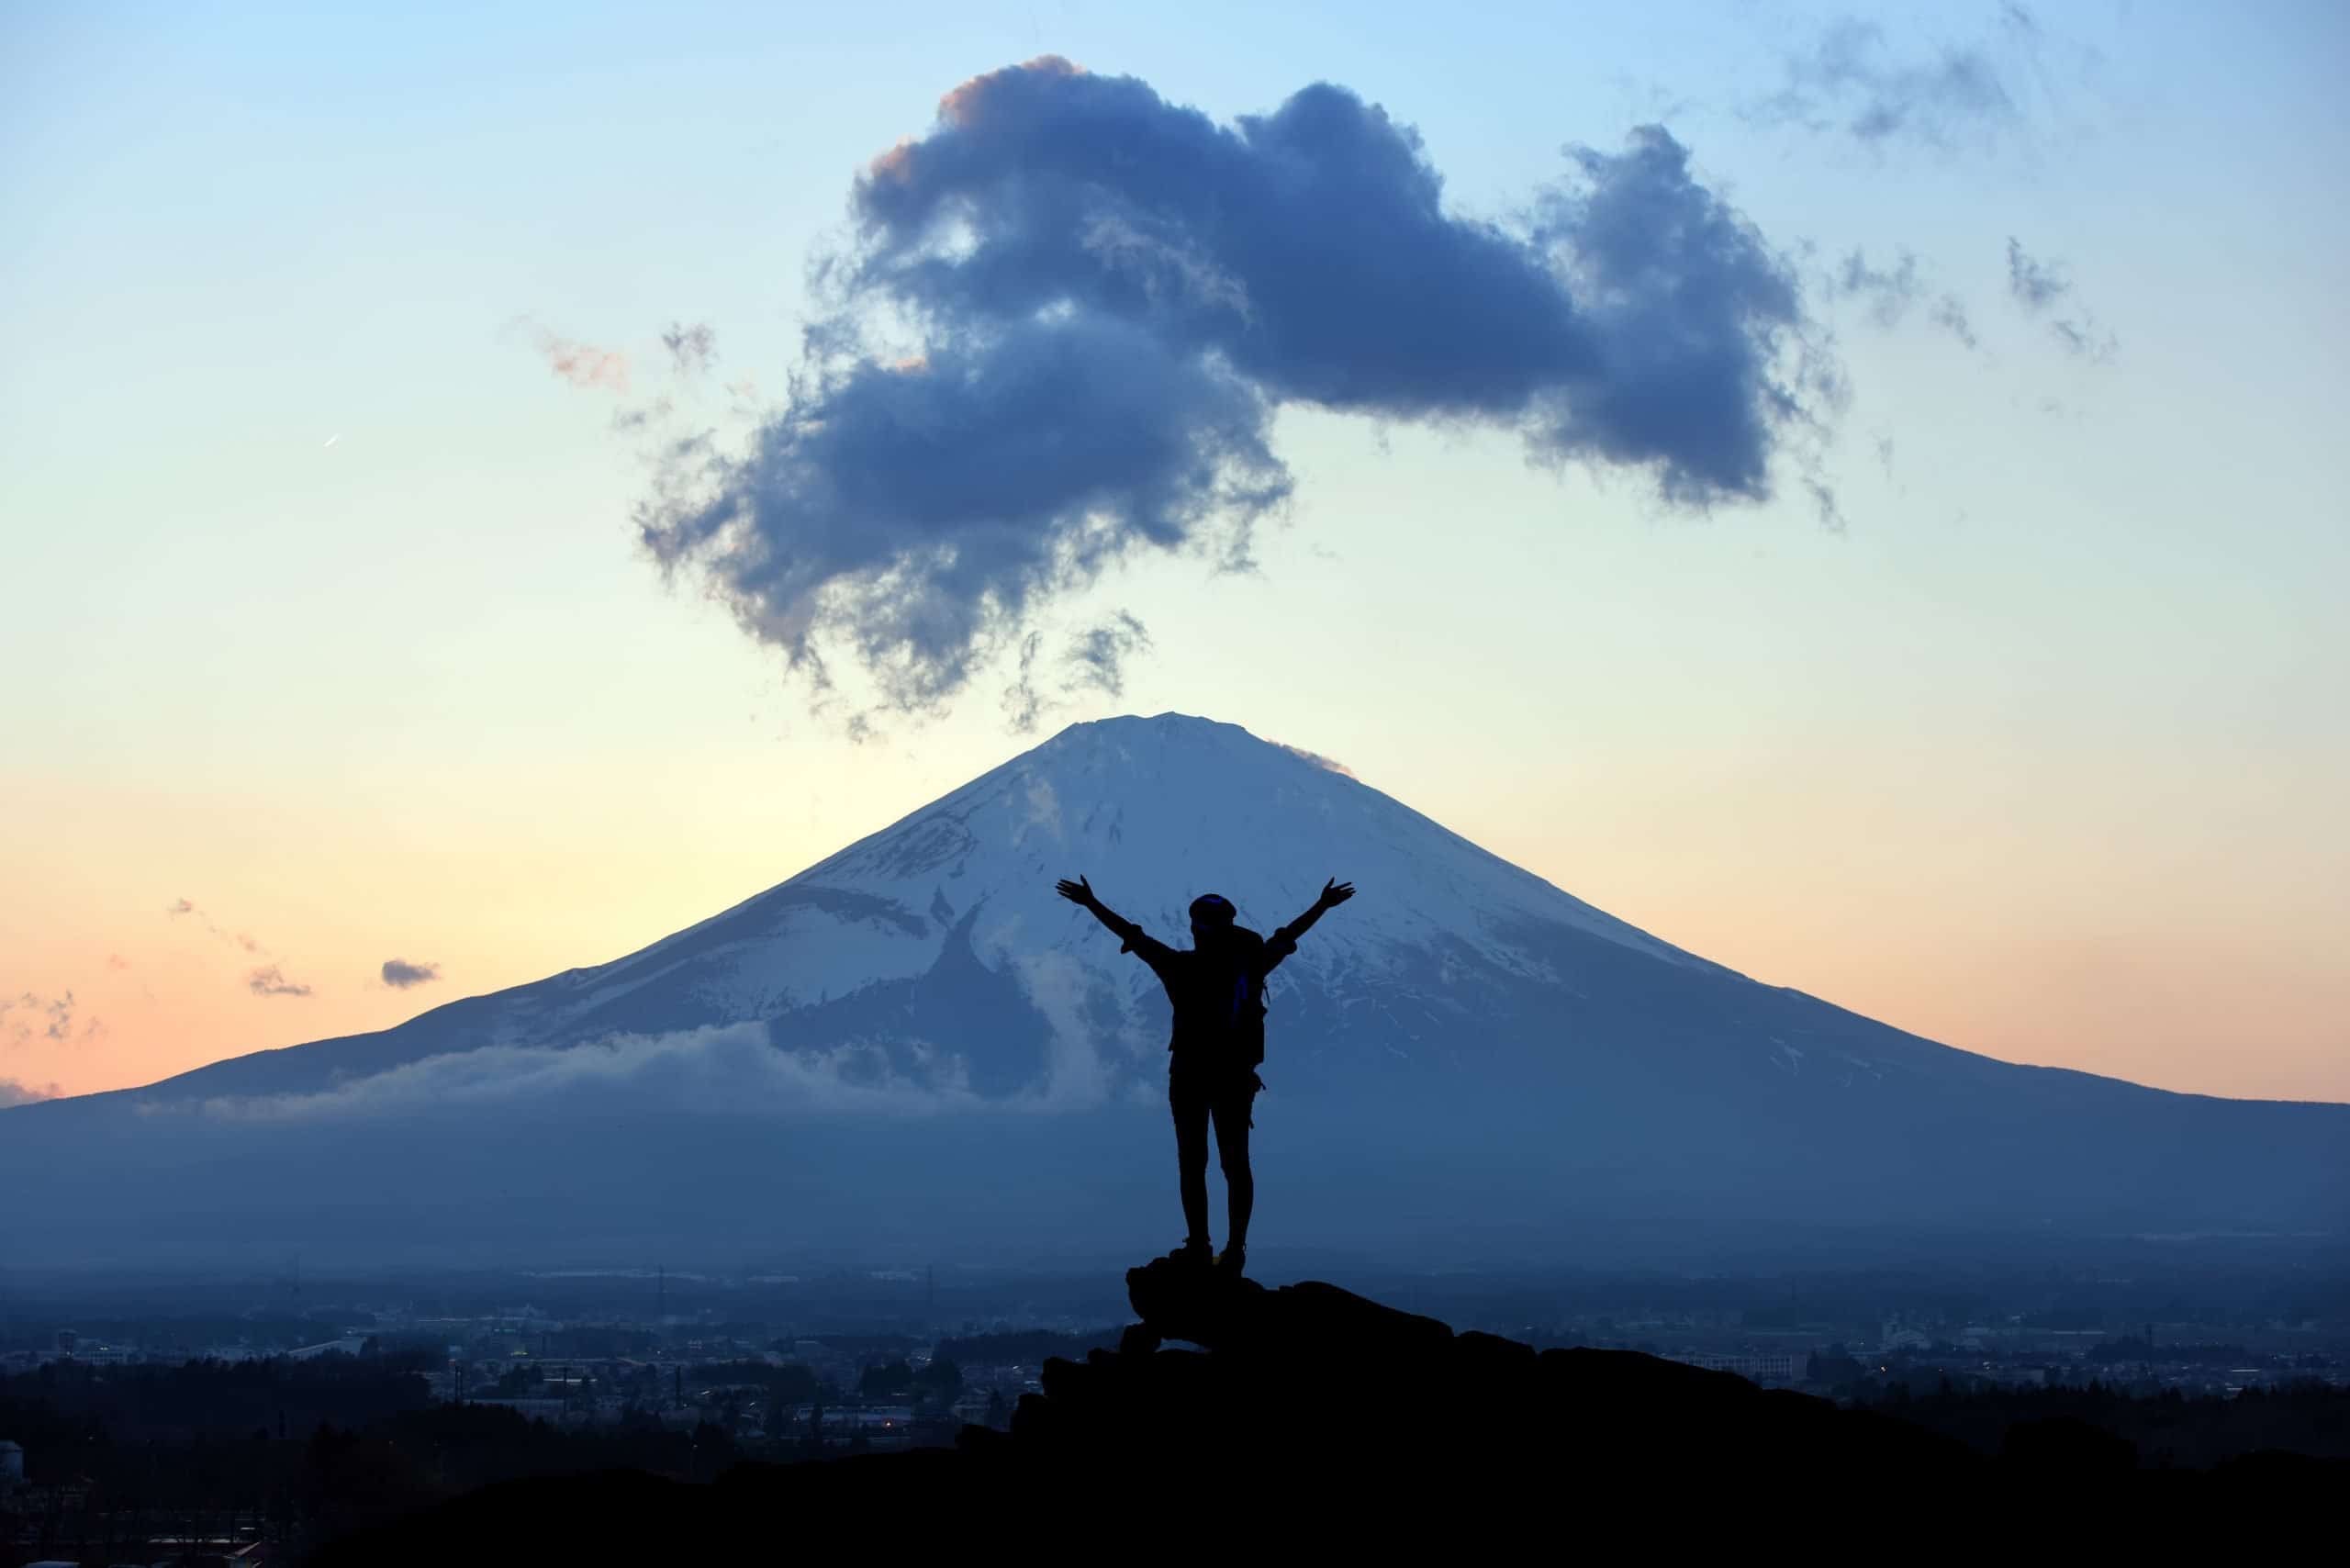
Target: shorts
(1198, 1091)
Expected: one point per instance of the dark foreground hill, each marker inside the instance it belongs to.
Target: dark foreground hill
(1234, 1417)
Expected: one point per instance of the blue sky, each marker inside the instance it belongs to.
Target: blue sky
(2039, 752)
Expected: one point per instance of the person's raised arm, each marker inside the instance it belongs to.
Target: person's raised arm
(1333, 894)
(1080, 892)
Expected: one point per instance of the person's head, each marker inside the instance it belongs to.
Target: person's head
(1212, 918)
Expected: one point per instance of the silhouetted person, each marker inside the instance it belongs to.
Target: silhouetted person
(1218, 988)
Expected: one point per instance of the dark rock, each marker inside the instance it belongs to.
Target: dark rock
(2067, 1448)
(1319, 1421)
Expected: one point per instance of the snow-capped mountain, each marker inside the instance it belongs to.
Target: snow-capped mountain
(940, 945)
(918, 1035)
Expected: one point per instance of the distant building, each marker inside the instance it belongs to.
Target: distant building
(1765, 1367)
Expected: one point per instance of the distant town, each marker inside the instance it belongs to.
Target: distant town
(224, 1419)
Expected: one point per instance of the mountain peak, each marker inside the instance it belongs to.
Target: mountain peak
(1463, 1045)
(1190, 731)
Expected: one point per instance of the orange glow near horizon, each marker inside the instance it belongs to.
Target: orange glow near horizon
(2192, 995)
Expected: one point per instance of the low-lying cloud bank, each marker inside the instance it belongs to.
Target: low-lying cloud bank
(728, 1070)
(1073, 310)
(13, 1093)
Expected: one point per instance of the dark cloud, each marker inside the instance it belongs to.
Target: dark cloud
(12, 1093)
(1892, 293)
(691, 348)
(401, 974)
(267, 981)
(919, 514)
(2040, 287)
(1073, 309)
(1853, 82)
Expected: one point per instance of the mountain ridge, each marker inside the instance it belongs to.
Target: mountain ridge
(1465, 1044)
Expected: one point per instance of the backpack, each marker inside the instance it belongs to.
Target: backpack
(1245, 1018)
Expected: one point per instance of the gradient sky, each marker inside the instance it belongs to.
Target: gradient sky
(2042, 754)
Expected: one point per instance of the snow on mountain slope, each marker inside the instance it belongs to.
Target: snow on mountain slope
(956, 903)
(915, 1041)
(1154, 811)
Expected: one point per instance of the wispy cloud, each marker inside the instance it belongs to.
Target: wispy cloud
(1114, 295)
(734, 1068)
(1094, 661)
(1329, 763)
(1097, 658)
(268, 981)
(1891, 293)
(30, 1016)
(1023, 705)
(244, 942)
(2035, 285)
(581, 365)
(182, 907)
(401, 974)
(2041, 288)
(1854, 81)
(692, 348)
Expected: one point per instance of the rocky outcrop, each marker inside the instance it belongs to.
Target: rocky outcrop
(1237, 1417)
(1309, 1396)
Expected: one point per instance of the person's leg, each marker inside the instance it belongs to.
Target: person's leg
(1191, 1158)
(1232, 1115)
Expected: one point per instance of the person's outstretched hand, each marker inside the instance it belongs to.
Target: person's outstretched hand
(1334, 893)
(1079, 892)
